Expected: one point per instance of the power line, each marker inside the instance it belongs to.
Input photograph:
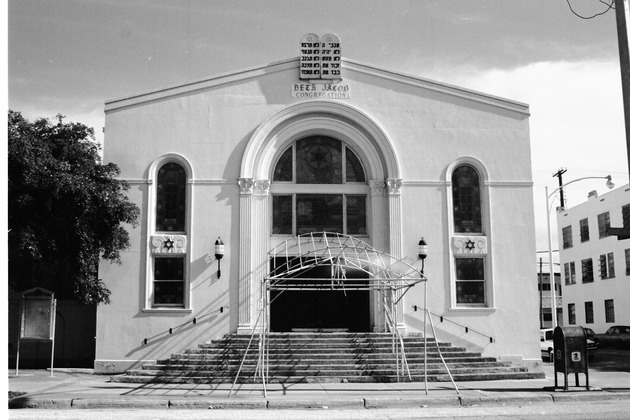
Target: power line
(610, 6)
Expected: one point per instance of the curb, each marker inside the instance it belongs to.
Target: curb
(219, 404)
(412, 402)
(512, 399)
(314, 404)
(587, 397)
(307, 404)
(95, 403)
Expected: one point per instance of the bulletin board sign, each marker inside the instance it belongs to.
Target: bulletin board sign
(37, 320)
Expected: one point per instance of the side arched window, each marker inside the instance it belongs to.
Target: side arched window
(171, 199)
(467, 200)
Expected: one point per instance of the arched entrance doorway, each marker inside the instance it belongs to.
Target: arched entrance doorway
(315, 166)
(313, 302)
(322, 187)
(322, 281)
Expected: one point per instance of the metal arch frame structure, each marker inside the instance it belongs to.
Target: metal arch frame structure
(338, 251)
(391, 277)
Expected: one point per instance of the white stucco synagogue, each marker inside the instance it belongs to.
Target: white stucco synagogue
(260, 156)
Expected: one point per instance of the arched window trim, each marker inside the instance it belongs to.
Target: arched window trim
(340, 120)
(484, 237)
(151, 232)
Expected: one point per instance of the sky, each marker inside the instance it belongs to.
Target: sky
(70, 56)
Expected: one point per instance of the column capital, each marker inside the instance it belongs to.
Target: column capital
(394, 185)
(377, 187)
(246, 185)
(261, 186)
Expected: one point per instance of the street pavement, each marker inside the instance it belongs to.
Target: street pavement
(81, 388)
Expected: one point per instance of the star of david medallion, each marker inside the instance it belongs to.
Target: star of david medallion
(168, 244)
(470, 244)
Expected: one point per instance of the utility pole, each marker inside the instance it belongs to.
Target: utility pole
(559, 175)
(540, 292)
(623, 37)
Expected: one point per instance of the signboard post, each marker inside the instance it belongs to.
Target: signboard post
(37, 320)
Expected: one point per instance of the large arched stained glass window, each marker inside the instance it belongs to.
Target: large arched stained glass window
(320, 160)
(466, 200)
(171, 199)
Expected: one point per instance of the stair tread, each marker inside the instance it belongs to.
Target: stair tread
(323, 357)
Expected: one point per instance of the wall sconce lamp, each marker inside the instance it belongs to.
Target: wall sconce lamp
(219, 250)
(422, 252)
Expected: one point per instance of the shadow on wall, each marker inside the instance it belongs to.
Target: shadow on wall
(187, 333)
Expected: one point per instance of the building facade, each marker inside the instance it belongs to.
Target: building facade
(260, 156)
(595, 266)
(545, 297)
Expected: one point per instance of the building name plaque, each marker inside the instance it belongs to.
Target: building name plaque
(321, 90)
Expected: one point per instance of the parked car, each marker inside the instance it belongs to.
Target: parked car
(616, 336)
(546, 344)
(591, 334)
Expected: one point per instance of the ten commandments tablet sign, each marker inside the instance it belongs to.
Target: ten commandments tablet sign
(320, 59)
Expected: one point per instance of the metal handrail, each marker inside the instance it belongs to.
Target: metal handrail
(193, 321)
(442, 319)
(396, 334)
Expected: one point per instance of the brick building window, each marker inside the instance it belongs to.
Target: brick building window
(567, 237)
(569, 272)
(603, 223)
(625, 215)
(584, 232)
(607, 266)
(609, 308)
(587, 270)
(588, 312)
(571, 310)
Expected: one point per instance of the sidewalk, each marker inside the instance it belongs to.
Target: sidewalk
(80, 388)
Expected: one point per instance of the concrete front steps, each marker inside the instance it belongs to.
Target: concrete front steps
(323, 357)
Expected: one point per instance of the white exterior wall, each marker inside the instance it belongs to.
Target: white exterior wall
(617, 288)
(429, 128)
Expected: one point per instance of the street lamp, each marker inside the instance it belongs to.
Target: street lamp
(219, 250)
(552, 278)
(422, 252)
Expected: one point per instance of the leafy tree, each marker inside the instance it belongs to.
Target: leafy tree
(66, 209)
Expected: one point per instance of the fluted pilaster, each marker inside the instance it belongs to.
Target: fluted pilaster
(245, 312)
(394, 191)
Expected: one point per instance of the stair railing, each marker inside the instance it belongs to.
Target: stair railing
(193, 321)
(417, 308)
(398, 345)
(260, 368)
(437, 345)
